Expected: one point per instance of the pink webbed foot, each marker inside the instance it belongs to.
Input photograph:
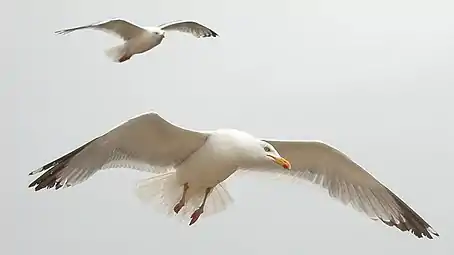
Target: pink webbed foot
(178, 207)
(195, 216)
(124, 58)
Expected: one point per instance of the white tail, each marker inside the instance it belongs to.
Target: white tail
(164, 192)
(116, 53)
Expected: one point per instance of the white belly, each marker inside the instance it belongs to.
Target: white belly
(143, 43)
(204, 169)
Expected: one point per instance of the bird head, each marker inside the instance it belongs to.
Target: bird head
(160, 33)
(157, 32)
(270, 153)
(248, 151)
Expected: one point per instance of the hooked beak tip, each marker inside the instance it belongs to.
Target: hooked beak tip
(282, 162)
(287, 165)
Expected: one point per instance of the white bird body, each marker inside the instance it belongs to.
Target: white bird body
(208, 166)
(190, 168)
(138, 39)
(216, 160)
(142, 43)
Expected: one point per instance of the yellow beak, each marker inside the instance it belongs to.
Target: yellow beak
(281, 161)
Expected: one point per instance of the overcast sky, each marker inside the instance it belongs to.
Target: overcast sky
(372, 78)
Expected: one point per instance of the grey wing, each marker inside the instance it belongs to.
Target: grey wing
(119, 27)
(145, 143)
(192, 27)
(348, 182)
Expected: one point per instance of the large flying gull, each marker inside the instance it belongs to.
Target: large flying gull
(190, 168)
(138, 39)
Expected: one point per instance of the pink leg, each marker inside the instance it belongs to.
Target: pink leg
(180, 204)
(124, 58)
(196, 214)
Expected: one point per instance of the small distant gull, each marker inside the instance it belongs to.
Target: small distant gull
(190, 168)
(138, 39)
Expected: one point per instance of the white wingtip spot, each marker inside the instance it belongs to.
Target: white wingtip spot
(431, 230)
(36, 171)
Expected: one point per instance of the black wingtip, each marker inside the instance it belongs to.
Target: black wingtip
(49, 178)
(58, 185)
(411, 221)
(211, 33)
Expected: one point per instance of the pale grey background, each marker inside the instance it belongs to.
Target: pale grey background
(373, 78)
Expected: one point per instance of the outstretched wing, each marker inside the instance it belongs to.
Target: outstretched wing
(350, 183)
(188, 26)
(119, 27)
(145, 143)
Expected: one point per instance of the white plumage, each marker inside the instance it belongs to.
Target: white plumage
(138, 39)
(190, 166)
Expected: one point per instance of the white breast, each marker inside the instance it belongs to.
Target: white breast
(143, 43)
(211, 164)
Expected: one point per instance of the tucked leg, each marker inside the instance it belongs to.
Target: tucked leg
(124, 58)
(196, 214)
(181, 203)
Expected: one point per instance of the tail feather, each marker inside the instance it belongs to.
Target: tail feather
(163, 192)
(117, 53)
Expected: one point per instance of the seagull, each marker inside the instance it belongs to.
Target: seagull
(138, 39)
(189, 169)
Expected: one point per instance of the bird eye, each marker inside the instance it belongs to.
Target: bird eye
(267, 149)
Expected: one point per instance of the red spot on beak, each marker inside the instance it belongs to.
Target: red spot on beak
(281, 161)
